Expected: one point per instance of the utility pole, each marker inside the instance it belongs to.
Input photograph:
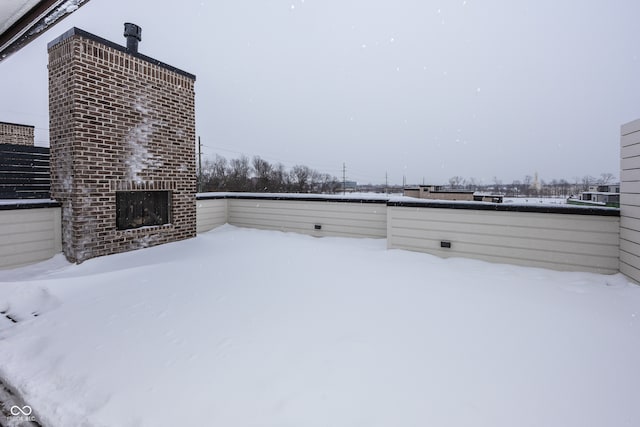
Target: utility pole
(344, 178)
(386, 183)
(199, 166)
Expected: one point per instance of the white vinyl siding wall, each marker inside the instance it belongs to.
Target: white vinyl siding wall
(548, 240)
(551, 240)
(29, 235)
(348, 219)
(210, 213)
(630, 200)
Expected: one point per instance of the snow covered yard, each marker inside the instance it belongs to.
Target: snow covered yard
(242, 327)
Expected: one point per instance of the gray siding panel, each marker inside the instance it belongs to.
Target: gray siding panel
(335, 218)
(630, 127)
(210, 213)
(630, 175)
(556, 241)
(630, 200)
(29, 235)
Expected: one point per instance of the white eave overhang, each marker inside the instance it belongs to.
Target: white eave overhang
(21, 21)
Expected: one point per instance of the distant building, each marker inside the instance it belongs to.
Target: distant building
(348, 186)
(436, 192)
(605, 188)
(12, 133)
(603, 195)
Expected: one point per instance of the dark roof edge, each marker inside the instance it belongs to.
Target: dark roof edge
(75, 31)
(290, 197)
(479, 206)
(26, 204)
(506, 207)
(16, 124)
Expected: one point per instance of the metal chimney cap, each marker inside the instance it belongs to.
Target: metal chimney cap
(132, 30)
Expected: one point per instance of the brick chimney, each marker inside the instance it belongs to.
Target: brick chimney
(122, 136)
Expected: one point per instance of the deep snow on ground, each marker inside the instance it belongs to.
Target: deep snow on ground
(241, 327)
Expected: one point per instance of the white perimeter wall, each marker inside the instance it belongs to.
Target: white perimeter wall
(549, 240)
(210, 213)
(29, 235)
(630, 200)
(346, 219)
(558, 241)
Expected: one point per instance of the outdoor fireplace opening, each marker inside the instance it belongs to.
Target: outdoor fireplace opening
(135, 209)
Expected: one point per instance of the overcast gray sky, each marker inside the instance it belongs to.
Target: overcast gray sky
(424, 89)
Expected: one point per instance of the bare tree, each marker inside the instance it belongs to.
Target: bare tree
(262, 170)
(471, 184)
(239, 171)
(214, 174)
(606, 178)
(300, 176)
(588, 181)
(456, 181)
(280, 181)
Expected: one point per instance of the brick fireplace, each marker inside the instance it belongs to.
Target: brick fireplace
(122, 136)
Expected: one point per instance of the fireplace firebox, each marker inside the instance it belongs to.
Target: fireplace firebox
(135, 209)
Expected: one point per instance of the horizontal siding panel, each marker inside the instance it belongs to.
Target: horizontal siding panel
(24, 227)
(525, 262)
(323, 208)
(336, 219)
(629, 140)
(630, 235)
(509, 219)
(527, 232)
(329, 230)
(29, 235)
(306, 226)
(630, 222)
(630, 247)
(631, 271)
(354, 209)
(558, 241)
(630, 176)
(514, 242)
(629, 199)
(33, 236)
(630, 127)
(21, 259)
(629, 188)
(307, 217)
(26, 248)
(630, 258)
(629, 163)
(519, 256)
(17, 216)
(210, 214)
(631, 151)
